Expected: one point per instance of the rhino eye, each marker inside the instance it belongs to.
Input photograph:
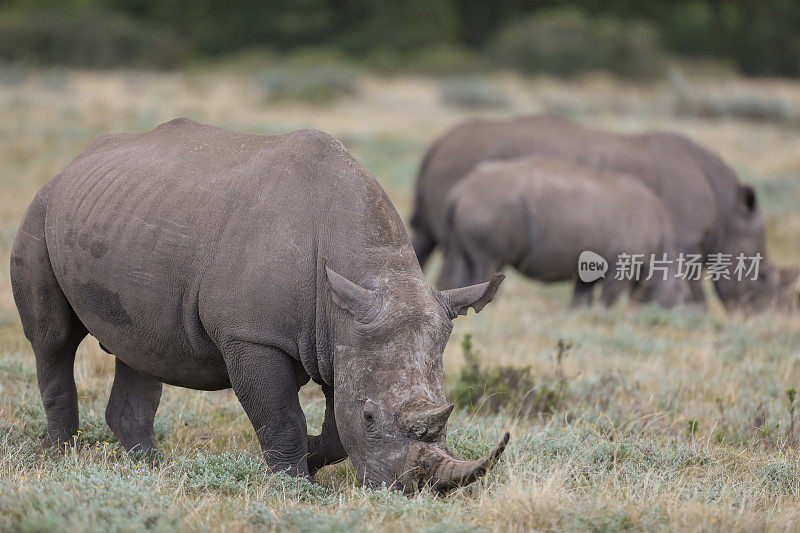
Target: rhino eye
(369, 412)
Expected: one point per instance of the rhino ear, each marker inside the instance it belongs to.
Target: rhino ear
(458, 301)
(363, 304)
(747, 199)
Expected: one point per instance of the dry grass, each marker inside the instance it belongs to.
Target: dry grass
(618, 455)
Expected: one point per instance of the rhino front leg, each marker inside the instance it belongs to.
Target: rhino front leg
(132, 407)
(613, 289)
(325, 448)
(265, 381)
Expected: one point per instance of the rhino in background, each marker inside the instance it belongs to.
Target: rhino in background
(539, 214)
(713, 212)
(210, 259)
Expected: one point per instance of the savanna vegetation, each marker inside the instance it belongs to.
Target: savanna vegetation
(622, 419)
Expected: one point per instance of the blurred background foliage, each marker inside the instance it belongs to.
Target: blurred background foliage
(560, 37)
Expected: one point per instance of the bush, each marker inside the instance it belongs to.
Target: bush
(316, 85)
(472, 93)
(565, 42)
(89, 39)
(503, 388)
(744, 106)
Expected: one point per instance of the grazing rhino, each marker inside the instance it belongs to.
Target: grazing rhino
(210, 259)
(713, 212)
(539, 214)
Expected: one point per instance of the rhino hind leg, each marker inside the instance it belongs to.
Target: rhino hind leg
(697, 297)
(326, 448)
(266, 383)
(582, 294)
(131, 409)
(49, 322)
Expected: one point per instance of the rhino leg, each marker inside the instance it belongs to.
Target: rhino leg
(131, 409)
(49, 322)
(613, 289)
(55, 358)
(582, 294)
(266, 383)
(697, 297)
(325, 448)
(423, 243)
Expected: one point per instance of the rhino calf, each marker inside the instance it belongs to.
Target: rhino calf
(538, 214)
(210, 259)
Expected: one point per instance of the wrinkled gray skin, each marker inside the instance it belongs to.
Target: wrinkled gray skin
(538, 213)
(209, 259)
(713, 212)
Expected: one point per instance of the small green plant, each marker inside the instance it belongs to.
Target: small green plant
(767, 429)
(563, 350)
(692, 425)
(791, 396)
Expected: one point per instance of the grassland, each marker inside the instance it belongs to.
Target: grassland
(664, 420)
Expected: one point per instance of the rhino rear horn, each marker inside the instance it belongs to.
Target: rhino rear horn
(363, 304)
(458, 301)
(428, 422)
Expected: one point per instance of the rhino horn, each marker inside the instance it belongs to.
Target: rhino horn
(427, 422)
(443, 472)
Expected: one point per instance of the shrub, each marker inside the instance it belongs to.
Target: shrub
(472, 93)
(499, 388)
(314, 85)
(90, 39)
(565, 42)
(743, 107)
(780, 477)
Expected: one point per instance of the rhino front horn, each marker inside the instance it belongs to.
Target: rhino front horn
(443, 472)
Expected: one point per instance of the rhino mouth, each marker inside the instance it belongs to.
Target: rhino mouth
(436, 467)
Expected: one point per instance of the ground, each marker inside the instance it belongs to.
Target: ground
(658, 419)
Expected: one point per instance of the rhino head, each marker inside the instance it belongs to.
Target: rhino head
(389, 401)
(746, 234)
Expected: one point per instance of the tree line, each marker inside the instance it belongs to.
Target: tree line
(758, 37)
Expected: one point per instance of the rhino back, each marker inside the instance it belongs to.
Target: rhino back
(675, 177)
